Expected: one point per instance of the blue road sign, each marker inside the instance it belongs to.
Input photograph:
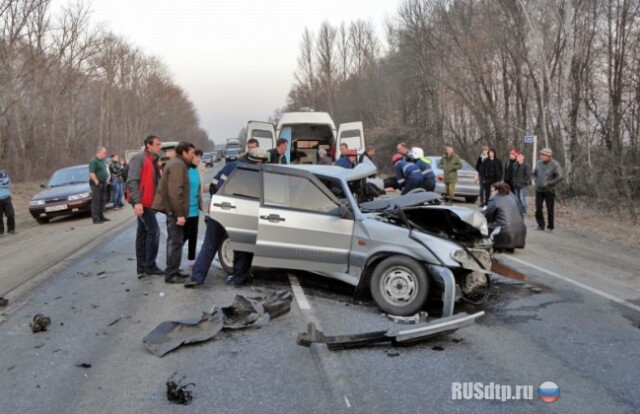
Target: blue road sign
(528, 138)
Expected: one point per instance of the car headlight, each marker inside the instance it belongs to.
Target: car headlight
(36, 203)
(459, 255)
(78, 196)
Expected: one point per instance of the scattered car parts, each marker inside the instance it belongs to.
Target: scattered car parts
(250, 309)
(178, 393)
(40, 323)
(3, 302)
(396, 335)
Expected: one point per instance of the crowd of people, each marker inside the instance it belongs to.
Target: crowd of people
(176, 188)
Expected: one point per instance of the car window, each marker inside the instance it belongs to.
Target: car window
(298, 193)
(69, 176)
(243, 183)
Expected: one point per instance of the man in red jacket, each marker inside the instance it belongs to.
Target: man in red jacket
(142, 182)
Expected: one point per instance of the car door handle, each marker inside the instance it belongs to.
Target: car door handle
(273, 217)
(224, 206)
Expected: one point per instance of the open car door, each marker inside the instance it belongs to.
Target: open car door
(264, 132)
(352, 134)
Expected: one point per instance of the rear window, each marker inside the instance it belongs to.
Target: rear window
(243, 183)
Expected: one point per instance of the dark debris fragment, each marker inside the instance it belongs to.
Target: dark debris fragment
(3, 302)
(40, 323)
(83, 365)
(178, 393)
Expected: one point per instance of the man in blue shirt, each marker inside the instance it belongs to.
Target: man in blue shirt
(214, 235)
(6, 206)
(407, 174)
(424, 164)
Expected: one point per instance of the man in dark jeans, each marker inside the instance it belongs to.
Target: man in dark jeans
(548, 174)
(172, 199)
(6, 206)
(142, 181)
(98, 176)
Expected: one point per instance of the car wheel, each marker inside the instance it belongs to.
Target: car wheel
(43, 220)
(225, 255)
(471, 199)
(399, 285)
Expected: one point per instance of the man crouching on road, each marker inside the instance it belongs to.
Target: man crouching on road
(214, 234)
(172, 199)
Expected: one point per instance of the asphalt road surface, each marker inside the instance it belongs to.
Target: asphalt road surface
(575, 322)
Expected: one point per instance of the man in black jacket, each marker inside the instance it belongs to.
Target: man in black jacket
(276, 155)
(481, 158)
(509, 167)
(521, 179)
(490, 172)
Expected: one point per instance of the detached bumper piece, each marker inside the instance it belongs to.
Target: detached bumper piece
(251, 309)
(396, 335)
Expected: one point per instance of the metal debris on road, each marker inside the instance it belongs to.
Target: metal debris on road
(40, 323)
(3, 302)
(251, 308)
(396, 335)
(417, 318)
(178, 393)
(83, 365)
(504, 270)
(116, 320)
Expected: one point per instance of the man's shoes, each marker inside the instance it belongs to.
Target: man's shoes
(539, 228)
(13, 232)
(155, 272)
(236, 281)
(141, 274)
(97, 221)
(550, 229)
(183, 275)
(190, 284)
(106, 219)
(173, 279)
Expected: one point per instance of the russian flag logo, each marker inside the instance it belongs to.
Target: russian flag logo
(548, 392)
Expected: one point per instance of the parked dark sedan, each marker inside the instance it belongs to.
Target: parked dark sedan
(66, 192)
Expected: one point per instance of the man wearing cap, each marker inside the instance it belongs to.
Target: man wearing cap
(323, 158)
(348, 161)
(509, 168)
(548, 174)
(214, 234)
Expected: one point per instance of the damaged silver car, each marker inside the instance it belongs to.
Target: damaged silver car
(406, 250)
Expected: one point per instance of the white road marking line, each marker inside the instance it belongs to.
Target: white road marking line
(303, 303)
(347, 401)
(576, 283)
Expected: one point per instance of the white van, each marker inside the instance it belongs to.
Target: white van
(307, 132)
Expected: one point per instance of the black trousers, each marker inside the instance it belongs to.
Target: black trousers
(485, 189)
(191, 235)
(548, 197)
(6, 210)
(98, 200)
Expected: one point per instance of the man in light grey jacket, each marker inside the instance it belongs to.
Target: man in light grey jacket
(548, 174)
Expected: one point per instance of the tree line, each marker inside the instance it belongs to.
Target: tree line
(476, 72)
(68, 87)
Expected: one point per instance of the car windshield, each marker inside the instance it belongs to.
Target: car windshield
(77, 175)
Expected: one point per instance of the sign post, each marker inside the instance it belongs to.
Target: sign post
(532, 139)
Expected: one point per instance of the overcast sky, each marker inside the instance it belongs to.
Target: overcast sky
(234, 58)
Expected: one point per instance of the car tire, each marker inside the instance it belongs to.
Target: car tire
(471, 199)
(225, 255)
(399, 285)
(44, 220)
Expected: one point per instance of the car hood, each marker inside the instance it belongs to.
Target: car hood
(62, 191)
(415, 202)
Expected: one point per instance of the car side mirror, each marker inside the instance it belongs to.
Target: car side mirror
(344, 212)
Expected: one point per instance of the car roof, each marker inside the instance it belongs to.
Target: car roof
(73, 167)
(362, 170)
